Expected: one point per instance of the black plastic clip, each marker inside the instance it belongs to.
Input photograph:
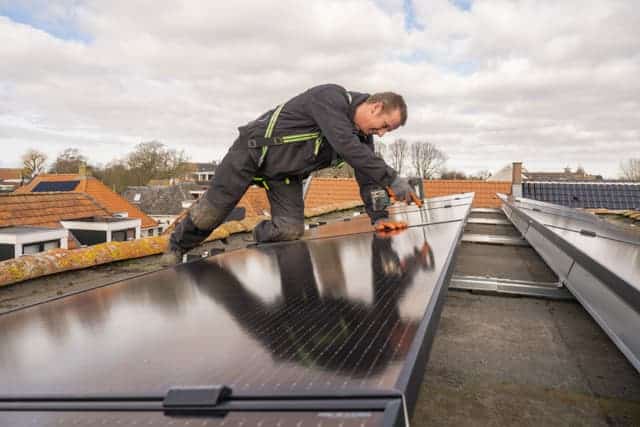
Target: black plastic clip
(186, 398)
(588, 233)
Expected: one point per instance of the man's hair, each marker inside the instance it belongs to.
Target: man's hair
(390, 102)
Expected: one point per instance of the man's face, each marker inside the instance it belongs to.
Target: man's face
(374, 121)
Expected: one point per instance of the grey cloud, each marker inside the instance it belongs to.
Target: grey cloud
(552, 82)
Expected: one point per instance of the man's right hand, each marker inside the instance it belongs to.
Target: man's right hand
(402, 191)
(385, 225)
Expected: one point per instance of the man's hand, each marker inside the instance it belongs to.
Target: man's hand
(387, 228)
(400, 190)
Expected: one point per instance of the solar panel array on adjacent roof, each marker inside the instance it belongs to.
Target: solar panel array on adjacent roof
(585, 195)
(46, 186)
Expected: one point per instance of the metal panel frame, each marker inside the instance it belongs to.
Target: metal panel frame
(613, 302)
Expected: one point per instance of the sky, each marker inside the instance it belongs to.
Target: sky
(546, 82)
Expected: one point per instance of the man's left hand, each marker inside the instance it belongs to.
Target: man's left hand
(400, 190)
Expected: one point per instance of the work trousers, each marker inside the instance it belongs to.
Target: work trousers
(233, 176)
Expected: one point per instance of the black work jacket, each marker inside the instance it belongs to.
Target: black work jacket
(328, 109)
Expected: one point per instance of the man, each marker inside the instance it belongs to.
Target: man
(316, 129)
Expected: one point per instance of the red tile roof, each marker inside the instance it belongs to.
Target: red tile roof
(328, 190)
(95, 188)
(485, 190)
(6, 173)
(46, 209)
(325, 191)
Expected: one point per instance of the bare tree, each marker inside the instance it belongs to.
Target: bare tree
(481, 175)
(115, 175)
(33, 162)
(452, 174)
(152, 159)
(427, 159)
(68, 161)
(630, 170)
(398, 153)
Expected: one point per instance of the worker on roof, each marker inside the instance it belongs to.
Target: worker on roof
(321, 127)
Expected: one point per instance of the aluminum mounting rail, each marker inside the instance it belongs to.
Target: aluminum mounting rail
(597, 261)
(491, 239)
(490, 221)
(511, 287)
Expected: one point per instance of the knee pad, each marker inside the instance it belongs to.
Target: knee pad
(278, 231)
(291, 231)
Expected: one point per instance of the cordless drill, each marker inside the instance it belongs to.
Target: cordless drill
(381, 200)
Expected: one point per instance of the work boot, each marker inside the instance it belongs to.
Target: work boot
(171, 257)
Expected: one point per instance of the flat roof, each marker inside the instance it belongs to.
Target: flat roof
(102, 219)
(26, 230)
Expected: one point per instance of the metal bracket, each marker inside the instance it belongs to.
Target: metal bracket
(491, 239)
(552, 290)
(185, 398)
(488, 221)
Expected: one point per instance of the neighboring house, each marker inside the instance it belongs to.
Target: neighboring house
(10, 179)
(202, 173)
(566, 176)
(36, 222)
(506, 174)
(164, 203)
(115, 204)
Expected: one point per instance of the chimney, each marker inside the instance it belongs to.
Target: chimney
(516, 179)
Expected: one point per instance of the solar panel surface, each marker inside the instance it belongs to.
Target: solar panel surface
(158, 419)
(267, 321)
(321, 318)
(47, 186)
(585, 195)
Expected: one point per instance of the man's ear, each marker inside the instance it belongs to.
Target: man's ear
(376, 108)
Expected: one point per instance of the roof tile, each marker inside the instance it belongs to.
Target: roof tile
(96, 189)
(30, 210)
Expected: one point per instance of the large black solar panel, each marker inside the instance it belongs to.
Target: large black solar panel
(585, 195)
(264, 321)
(334, 316)
(47, 186)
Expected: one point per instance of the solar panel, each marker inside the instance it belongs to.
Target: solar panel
(46, 186)
(335, 315)
(585, 195)
(598, 263)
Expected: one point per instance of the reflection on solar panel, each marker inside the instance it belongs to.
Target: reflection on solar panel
(233, 419)
(338, 323)
(596, 260)
(585, 195)
(47, 186)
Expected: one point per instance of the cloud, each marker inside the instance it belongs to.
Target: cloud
(549, 83)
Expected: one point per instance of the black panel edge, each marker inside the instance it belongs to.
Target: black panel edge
(412, 374)
(615, 283)
(284, 405)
